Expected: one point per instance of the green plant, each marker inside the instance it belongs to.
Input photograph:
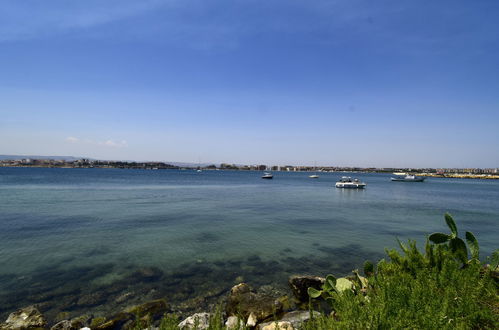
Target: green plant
(331, 288)
(169, 322)
(216, 319)
(418, 290)
(456, 244)
(494, 260)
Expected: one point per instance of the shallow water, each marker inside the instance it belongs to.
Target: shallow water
(115, 237)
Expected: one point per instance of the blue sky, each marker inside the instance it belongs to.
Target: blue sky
(350, 83)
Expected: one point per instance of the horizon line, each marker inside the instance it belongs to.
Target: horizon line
(20, 157)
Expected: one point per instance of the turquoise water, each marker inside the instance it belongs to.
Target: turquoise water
(116, 237)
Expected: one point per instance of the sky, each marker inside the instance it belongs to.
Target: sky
(387, 83)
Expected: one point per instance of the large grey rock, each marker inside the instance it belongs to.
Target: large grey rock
(198, 321)
(24, 318)
(73, 324)
(252, 320)
(243, 301)
(276, 325)
(234, 323)
(300, 283)
(297, 318)
(292, 321)
(63, 325)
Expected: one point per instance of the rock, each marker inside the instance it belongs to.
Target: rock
(297, 318)
(73, 324)
(234, 323)
(63, 325)
(198, 321)
(300, 284)
(123, 297)
(81, 321)
(154, 308)
(251, 320)
(25, 318)
(276, 325)
(116, 322)
(243, 302)
(287, 303)
(61, 316)
(96, 321)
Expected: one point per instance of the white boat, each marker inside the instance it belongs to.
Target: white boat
(405, 177)
(347, 182)
(314, 176)
(267, 175)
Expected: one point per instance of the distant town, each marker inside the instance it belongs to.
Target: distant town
(486, 173)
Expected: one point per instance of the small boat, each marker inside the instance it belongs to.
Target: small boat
(267, 175)
(314, 176)
(405, 177)
(347, 182)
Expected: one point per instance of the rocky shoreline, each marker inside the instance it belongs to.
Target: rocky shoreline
(62, 292)
(242, 305)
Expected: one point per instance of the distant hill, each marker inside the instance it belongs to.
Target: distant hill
(19, 157)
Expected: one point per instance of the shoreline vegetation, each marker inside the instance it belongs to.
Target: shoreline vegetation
(445, 286)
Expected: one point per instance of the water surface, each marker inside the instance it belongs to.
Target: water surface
(116, 237)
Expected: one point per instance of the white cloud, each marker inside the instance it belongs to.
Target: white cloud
(108, 143)
(114, 144)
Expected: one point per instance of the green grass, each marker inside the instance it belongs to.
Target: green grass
(452, 298)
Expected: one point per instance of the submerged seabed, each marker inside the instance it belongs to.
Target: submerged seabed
(189, 287)
(95, 241)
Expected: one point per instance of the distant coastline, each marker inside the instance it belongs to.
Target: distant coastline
(71, 162)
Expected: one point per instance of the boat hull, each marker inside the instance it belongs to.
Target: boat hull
(408, 180)
(351, 186)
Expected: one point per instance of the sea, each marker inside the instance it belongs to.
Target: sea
(79, 241)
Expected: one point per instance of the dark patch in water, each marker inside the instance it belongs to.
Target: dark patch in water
(38, 226)
(234, 263)
(146, 222)
(254, 258)
(146, 274)
(96, 251)
(207, 237)
(348, 257)
(219, 263)
(322, 263)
